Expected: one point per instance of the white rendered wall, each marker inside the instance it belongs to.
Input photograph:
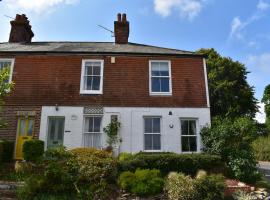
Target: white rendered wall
(132, 125)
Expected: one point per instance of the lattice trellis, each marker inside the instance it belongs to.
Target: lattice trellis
(93, 110)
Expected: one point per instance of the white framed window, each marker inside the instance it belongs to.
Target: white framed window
(152, 135)
(160, 81)
(7, 63)
(92, 131)
(92, 77)
(189, 138)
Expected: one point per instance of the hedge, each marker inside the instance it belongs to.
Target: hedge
(33, 150)
(7, 150)
(188, 164)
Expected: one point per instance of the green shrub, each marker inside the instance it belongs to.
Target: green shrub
(1, 152)
(125, 156)
(180, 187)
(261, 147)
(210, 187)
(33, 150)
(186, 163)
(231, 139)
(242, 195)
(142, 182)
(8, 149)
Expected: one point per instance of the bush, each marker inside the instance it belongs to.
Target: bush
(186, 163)
(261, 147)
(142, 182)
(8, 149)
(125, 156)
(33, 150)
(210, 187)
(242, 195)
(180, 187)
(232, 141)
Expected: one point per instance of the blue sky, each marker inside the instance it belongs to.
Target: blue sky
(237, 29)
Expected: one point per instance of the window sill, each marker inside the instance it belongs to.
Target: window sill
(160, 94)
(90, 92)
(152, 151)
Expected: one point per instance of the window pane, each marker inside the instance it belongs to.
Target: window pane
(155, 69)
(89, 124)
(96, 83)
(185, 143)
(156, 84)
(22, 127)
(165, 84)
(164, 69)
(156, 125)
(60, 128)
(193, 143)
(96, 70)
(97, 122)
(30, 127)
(52, 128)
(88, 70)
(88, 82)
(148, 142)
(148, 125)
(4, 65)
(192, 127)
(184, 127)
(156, 142)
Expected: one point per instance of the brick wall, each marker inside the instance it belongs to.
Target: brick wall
(55, 79)
(9, 116)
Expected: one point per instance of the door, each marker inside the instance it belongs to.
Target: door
(25, 131)
(55, 135)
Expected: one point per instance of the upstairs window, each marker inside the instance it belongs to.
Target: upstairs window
(92, 77)
(7, 63)
(160, 78)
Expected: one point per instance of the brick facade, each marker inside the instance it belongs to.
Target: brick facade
(55, 79)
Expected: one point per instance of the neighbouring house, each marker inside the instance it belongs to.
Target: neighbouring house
(67, 92)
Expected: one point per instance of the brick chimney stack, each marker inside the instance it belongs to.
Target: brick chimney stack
(21, 30)
(121, 29)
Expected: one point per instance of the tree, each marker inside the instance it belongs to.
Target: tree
(5, 89)
(230, 94)
(266, 101)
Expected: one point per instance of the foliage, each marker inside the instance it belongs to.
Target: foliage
(7, 148)
(231, 139)
(125, 156)
(185, 163)
(266, 101)
(84, 173)
(94, 165)
(242, 195)
(112, 132)
(261, 148)
(230, 94)
(210, 187)
(180, 187)
(5, 89)
(33, 150)
(142, 182)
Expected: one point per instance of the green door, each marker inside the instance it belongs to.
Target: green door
(55, 131)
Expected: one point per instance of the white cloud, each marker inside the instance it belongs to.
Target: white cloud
(261, 116)
(186, 8)
(236, 28)
(261, 62)
(37, 6)
(263, 5)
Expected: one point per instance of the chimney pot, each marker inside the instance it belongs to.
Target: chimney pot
(119, 17)
(21, 31)
(124, 17)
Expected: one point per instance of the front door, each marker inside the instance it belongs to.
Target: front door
(25, 131)
(55, 131)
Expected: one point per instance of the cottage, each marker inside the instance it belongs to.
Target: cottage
(67, 92)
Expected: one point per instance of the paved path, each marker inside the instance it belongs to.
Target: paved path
(265, 168)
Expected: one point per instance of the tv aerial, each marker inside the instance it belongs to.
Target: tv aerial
(106, 29)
